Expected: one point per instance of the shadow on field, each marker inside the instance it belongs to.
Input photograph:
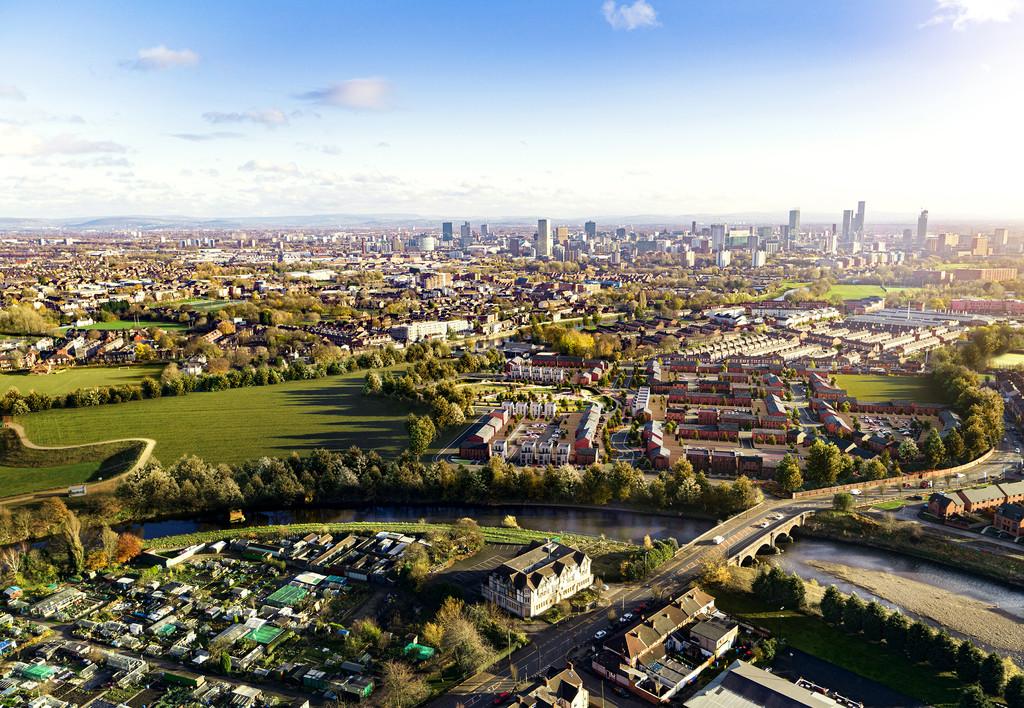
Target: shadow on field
(370, 422)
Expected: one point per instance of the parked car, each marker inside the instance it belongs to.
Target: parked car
(600, 634)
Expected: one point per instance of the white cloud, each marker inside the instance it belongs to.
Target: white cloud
(160, 58)
(629, 16)
(270, 117)
(288, 168)
(962, 13)
(369, 94)
(19, 142)
(11, 93)
(201, 137)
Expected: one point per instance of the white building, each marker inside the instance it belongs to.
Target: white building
(531, 583)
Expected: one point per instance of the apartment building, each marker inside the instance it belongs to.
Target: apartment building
(532, 582)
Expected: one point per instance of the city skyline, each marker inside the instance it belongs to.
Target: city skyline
(581, 108)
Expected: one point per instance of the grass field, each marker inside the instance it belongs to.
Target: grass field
(25, 469)
(855, 292)
(239, 424)
(890, 388)
(129, 324)
(86, 377)
(873, 661)
(1008, 360)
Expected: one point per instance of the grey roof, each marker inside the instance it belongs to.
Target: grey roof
(744, 685)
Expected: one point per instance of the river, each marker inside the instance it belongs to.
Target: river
(614, 524)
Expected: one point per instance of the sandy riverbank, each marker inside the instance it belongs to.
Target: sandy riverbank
(964, 615)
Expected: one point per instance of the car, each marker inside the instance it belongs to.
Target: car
(600, 634)
(855, 492)
(628, 617)
(641, 607)
(915, 497)
(501, 698)
(765, 524)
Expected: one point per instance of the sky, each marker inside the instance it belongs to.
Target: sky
(504, 108)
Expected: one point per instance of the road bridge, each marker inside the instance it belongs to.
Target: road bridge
(745, 552)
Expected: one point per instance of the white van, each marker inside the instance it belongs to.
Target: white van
(718, 540)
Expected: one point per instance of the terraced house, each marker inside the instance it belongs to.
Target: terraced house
(531, 583)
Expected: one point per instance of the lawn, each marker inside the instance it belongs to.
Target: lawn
(873, 661)
(130, 324)
(85, 377)
(856, 292)
(25, 469)
(239, 424)
(22, 480)
(1008, 360)
(870, 387)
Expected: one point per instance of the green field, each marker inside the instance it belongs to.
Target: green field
(86, 377)
(25, 469)
(809, 633)
(128, 324)
(890, 388)
(239, 424)
(1008, 360)
(856, 292)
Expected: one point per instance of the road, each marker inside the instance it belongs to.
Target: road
(552, 646)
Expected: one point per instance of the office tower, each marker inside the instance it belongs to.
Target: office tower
(847, 226)
(693, 228)
(543, 238)
(922, 228)
(427, 243)
(831, 245)
(483, 231)
(858, 221)
(590, 229)
(753, 243)
(1001, 238)
(765, 232)
(723, 258)
(908, 238)
(562, 234)
(446, 231)
(979, 245)
(717, 237)
(794, 222)
(466, 235)
(620, 234)
(758, 259)
(689, 258)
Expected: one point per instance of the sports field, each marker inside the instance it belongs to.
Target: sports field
(85, 377)
(890, 388)
(1008, 360)
(856, 292)
(239, 424)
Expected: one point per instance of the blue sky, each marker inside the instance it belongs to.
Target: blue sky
(561, 107)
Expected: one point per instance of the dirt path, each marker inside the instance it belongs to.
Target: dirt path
(964, 615)
(107, 485)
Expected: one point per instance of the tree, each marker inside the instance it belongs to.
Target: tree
(919, 642)
(973, 697)
(907, 452)
(895, 633)
(854, 611)
(421, 433)
(128, 546)
(401, 687)
(968, 662)
(225, 663)
(874, 621)
(934, 449)
(875, 469)
(788, 475)
(943, 652)
(824, 462)
(1014, 691)
(71, 533)
(954, 444)
(992, 674)
(842, 501)
(832, 605)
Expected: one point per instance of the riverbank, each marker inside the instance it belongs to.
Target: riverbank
(909, 538)
(964, 615)
(605, 555)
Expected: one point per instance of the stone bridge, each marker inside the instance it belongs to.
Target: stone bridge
(744, 552)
